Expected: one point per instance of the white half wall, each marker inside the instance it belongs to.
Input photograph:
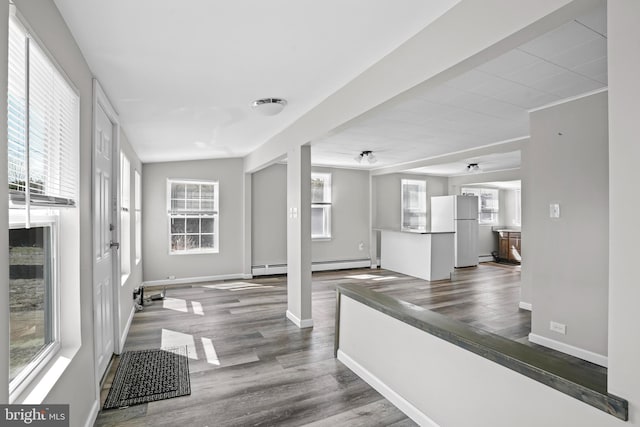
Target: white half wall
(435, 381)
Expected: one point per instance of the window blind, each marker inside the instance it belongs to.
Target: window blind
(42, 126)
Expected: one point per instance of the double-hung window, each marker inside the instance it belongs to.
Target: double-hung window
(43, 117)
(193, 216)
(488, 204)
(125, 217)
(413, 193)
(137, 195)
(320, 205)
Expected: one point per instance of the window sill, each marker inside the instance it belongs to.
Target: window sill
(195, 253)
(321, 239)
(40, 387)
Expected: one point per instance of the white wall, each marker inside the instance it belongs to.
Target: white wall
(624, 152)
(76, 384)
(566, 162)
(4, 206)
(158, 263)
(135, 277)
(349, 216)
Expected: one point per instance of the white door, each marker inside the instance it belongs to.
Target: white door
(104, 255)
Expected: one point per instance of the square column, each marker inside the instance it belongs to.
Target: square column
(299, 236)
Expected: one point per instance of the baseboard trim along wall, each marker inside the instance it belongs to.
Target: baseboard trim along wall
(525, 305)
(93, 414)
(583, 354)
(197, 279)
(125, 332)
(393, 397)
(485, 258)
(270, 269)
(300, 323)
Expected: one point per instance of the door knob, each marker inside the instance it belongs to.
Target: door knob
(113, 244)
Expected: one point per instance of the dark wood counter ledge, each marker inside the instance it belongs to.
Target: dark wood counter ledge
(546, 368)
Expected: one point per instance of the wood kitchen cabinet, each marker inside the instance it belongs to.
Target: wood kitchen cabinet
(509, 246)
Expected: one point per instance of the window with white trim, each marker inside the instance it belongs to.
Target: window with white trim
(138, 212)
(43, 135)
(193, 216)
(320, 205)
(488, 204)
(413, 193)
(125, 217)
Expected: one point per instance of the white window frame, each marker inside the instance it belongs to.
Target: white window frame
(41, 218)
(138, 215)
(518, 207)
(215, 215)
(494, 212)
(324, 204)
(56, 212)
(414, 211)
(125, 217)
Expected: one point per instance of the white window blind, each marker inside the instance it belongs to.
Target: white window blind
(42, 126)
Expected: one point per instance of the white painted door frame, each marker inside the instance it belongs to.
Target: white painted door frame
(101, 101)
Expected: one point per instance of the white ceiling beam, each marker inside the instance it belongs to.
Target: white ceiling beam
(466, 36)
(498, 147)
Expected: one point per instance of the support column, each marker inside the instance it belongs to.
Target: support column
(624, 233)
(299, 236)
(247, 236)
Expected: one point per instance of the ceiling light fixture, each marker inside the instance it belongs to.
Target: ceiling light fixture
(269, 106)
(368, 155)
(473, 168)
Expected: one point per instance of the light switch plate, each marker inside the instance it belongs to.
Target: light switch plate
(554, 210)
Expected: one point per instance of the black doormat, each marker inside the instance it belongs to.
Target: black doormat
(149, 375)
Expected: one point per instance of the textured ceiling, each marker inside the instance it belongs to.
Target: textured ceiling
(483, 106)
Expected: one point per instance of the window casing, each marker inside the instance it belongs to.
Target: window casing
(320, 205)
(193, 216)
(43, 134)
(138, 213)
(125, 217)
(413, 205)
(488, 204)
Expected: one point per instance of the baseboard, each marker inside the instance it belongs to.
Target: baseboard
(485, 258)
(271, 269)
(300, 323)
(525, 305)
(187, 280)
(411, 411)
(93, 414)
(581, 353)
(125, 333)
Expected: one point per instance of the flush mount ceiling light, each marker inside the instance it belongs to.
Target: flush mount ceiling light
(366, 155)
(473, 168)
(269, 106)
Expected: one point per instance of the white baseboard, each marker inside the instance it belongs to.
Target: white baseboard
(93, 414)
(300, 323)
(125, 333)
(411, 411)
(485, 258)
(197, 279)
(525, 305)
(270, 269)
(581, 353)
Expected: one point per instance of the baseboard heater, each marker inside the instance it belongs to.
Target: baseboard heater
(271, 269)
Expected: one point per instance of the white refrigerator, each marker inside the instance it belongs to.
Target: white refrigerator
(460, 215)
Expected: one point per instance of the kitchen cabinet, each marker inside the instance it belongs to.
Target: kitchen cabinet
(509, 246)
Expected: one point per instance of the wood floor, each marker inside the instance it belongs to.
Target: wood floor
(250, 366)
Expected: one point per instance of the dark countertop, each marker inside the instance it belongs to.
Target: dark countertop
(546, 368)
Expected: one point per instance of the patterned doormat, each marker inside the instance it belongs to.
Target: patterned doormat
(149, 375)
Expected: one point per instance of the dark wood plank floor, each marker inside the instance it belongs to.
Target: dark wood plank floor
(250, 366)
